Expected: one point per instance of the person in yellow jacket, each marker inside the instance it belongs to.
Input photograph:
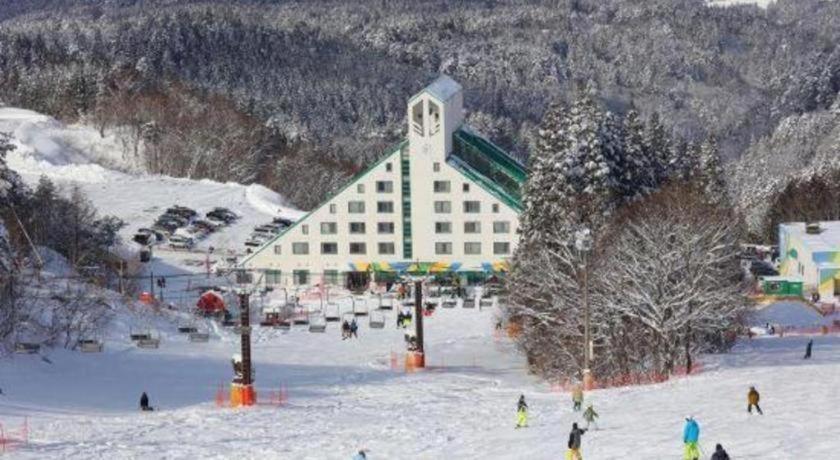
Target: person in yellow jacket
(577, 398)
(752, 400)
(521, 412)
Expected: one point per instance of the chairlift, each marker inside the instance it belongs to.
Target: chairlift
(376, 320)
(449, 303)
(187, 329)
(486, 302)
(386, 302)
(360, 306)
(199, 337)
(90, 345)
(332, 313)
(27, 348)
(469, 301)
(149, 343)
(317, 323)
(301, 317)
(283, 325)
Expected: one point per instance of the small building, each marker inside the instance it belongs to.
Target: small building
(444, 200)
(811, 252)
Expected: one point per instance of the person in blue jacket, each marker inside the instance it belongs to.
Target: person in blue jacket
(691, 436)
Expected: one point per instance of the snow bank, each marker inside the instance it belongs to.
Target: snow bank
(792, 314)
(759, 3)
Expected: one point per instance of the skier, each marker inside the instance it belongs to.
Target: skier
(361, 455)
(399, 319)
(521, 412)
(590, 415)
(720, 454)
(144, 403)
(752, 400)
(354, 328)
(574, 443)
(691, 436)
(345, 330)
(808, 349)
(577, 398)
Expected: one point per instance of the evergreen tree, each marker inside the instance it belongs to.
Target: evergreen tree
(659, 145)
(638, 165)
(709, 171)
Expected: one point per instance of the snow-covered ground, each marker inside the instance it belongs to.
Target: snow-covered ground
(761, 3)
(344, 395)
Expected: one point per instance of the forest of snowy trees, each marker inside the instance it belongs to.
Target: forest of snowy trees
(298, 95)
(660, 266)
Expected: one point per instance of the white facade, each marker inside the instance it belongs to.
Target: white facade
(452, 216)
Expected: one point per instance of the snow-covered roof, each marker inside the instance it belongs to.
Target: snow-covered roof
(827, 240)
(441, 89)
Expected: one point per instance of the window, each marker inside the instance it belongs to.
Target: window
(333, 208)
(436, 166)
(386, 248)
(389, 167)
(385, 207)
(465, 187)
(329, 248)
(331, 277)
(356, 207)
(301, 277)
(443, 227)
(300, 248)
(273, 277)
(472, 227)
(277, 250)
(443, 207)
(329, 228)
(501, 248)
(385, 228)
(472, 207)
(304, 229)
(360, 188)
(434, 118)
(442, 186)
(495, 207)
(417, 118)
(358, 248)
(357, 228)
(472, 248)
(443, 248)
(384, 186)
(501, 227)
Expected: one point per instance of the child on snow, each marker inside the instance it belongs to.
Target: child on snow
(590, 415)
(577, 398)
(144, 403)
(691, 436)
(521, 412)
(574, 443)
(720, 454)
(752, 400)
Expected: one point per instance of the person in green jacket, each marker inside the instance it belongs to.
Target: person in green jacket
(590, 415)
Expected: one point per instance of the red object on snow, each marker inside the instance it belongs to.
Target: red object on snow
(146, 298)
(211, 302)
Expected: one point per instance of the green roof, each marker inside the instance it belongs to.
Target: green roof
(491, 167)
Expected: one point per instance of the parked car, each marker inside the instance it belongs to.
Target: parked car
(222, 215)
(159, 236)
(282, 221)
(266, 230)
(179, 219)
(254, 242)
(181, 242)
(208, 226)
(143, 238)
(162, 230)
(182, 211)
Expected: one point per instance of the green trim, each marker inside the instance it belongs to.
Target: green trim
(405, 185)
(391, 151)
(489, 166)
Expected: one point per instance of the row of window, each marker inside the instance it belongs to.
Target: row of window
(444, 186)
(387, 207)
(470, 207)
(387, 228)
(441, 248)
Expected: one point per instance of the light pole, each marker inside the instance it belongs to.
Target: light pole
(583, 243)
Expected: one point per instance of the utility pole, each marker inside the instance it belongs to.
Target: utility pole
(418, 313)
(152, 283)
(245, 329)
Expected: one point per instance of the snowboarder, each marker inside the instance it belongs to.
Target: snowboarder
(691, 436)
(577, 398)
(345, 330)
(574, 442)
(808, 349)
(354, 328)
(590, 415)
(752, 400)
(361, 455)
(521, 412)
(720, 454)
(144, 403)
(399, 319)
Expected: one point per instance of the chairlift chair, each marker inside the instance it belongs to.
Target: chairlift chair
(376, 320)
(486, 302)
(187, 329)
(332, 313)
(469, 301)
(90, 346)
(360, 306)
(27, 348)
(386, 302)
(301, 318)
(149, 343)
(199, 337)
(317, 323)
(449, 303)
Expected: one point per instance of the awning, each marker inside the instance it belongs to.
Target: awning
(495, 267)
(443, 267)
(359, 266)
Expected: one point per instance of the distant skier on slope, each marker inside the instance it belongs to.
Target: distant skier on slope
(691, 436)
(590, 415)
(361, 455)
(521, 412)
(808, 349)
(577, 397)
(752, 400)
(720, 454)
(354, 328)
(144, 403)
(574, 443)
(345, 330)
